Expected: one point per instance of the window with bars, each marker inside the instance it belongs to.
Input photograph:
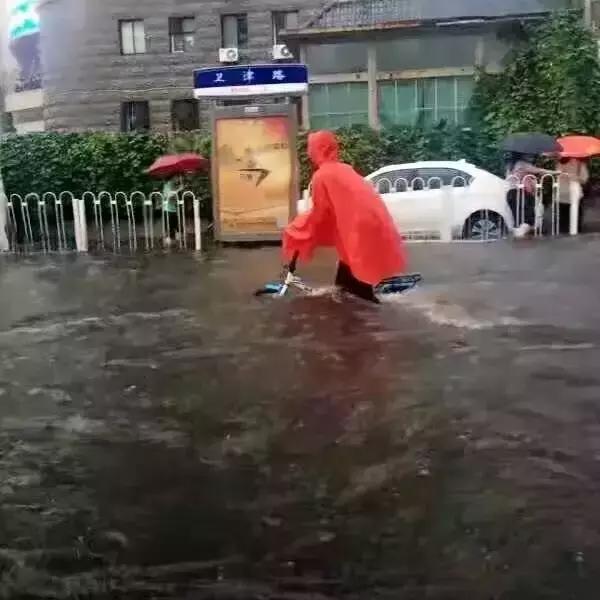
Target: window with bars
(338, 104)
(234, 31)
(181, 33)
(132, 36)
(283, 20)
(135, 116)
(185, 115)
(425, 102)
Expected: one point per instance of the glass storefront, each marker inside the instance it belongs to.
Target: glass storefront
(424, 102)
(411, 102)
(338, 104)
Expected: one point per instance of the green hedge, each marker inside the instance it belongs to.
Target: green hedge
(367, 150)
(77, 162)
(54, 162)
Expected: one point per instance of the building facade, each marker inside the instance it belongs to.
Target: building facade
(405, 62)
(126, 65)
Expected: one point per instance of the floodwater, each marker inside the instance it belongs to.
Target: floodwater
(165, 435)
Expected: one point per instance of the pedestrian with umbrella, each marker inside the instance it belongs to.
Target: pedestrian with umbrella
(172, 168)
(522, 150)
(573, 166)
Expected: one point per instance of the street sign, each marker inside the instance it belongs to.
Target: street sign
(251, 80)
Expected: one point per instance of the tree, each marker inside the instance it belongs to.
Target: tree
(551, 83)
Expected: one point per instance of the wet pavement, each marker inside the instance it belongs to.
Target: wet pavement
(163, 434)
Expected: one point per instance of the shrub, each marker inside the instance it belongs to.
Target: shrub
(551, 83)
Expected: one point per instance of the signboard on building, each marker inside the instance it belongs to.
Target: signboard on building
(251, 81)
(254, 171)
(23, 18)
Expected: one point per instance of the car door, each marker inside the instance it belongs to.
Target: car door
(430, 213)
(442, 187)
(396, 191)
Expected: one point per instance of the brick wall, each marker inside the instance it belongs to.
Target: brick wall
(86, 79)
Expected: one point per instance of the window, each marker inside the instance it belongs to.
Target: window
(435, 178)
(234, 31)
(235, 102)
(283, 20)
(342, 57)
(133, 37)
(135, 116)
(181, 33)
(393, 181)
(425, 101)
(185, 115)
(338, 104)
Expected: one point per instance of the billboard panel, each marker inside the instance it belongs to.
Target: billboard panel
(254, 168)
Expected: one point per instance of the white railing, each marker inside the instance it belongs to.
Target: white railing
(550, 201)
(448, 211)
(4, 245)
(103, 221)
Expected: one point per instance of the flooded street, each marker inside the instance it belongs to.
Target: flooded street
(166, 435)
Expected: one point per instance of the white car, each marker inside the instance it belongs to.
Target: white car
(431, 197)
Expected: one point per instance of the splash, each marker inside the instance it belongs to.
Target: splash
(324, 291)
(437, 309)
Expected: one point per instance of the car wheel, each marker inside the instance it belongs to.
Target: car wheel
(484, 226)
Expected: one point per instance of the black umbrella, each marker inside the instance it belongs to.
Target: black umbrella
(531, 143)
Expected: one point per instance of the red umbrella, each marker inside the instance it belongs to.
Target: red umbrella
(177, 164)
(579, 146)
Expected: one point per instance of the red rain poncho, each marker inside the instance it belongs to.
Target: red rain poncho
(347, 213)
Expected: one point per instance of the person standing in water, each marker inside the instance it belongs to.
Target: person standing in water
(573, 171)
(170, 196)
(348, 214)
(520, 169)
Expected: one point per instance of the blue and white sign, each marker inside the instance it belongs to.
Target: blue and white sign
(251, 80)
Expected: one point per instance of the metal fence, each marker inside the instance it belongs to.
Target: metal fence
(435, 209)
(100, 221)
(439, 210)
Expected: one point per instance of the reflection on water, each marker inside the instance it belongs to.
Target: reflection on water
(166, 435)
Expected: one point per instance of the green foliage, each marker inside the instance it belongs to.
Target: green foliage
(361, 147)
(367, 150)
(199, 143)
(77, 162)
(54, 162)
(551, 83)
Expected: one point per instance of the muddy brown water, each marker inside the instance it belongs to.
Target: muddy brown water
(163, 434)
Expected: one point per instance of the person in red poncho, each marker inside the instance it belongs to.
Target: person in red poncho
(350, 215)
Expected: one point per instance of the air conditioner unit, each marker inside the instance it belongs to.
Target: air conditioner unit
(281, 52)
(229, 55)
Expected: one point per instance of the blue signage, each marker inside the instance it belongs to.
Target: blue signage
(251, 80)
